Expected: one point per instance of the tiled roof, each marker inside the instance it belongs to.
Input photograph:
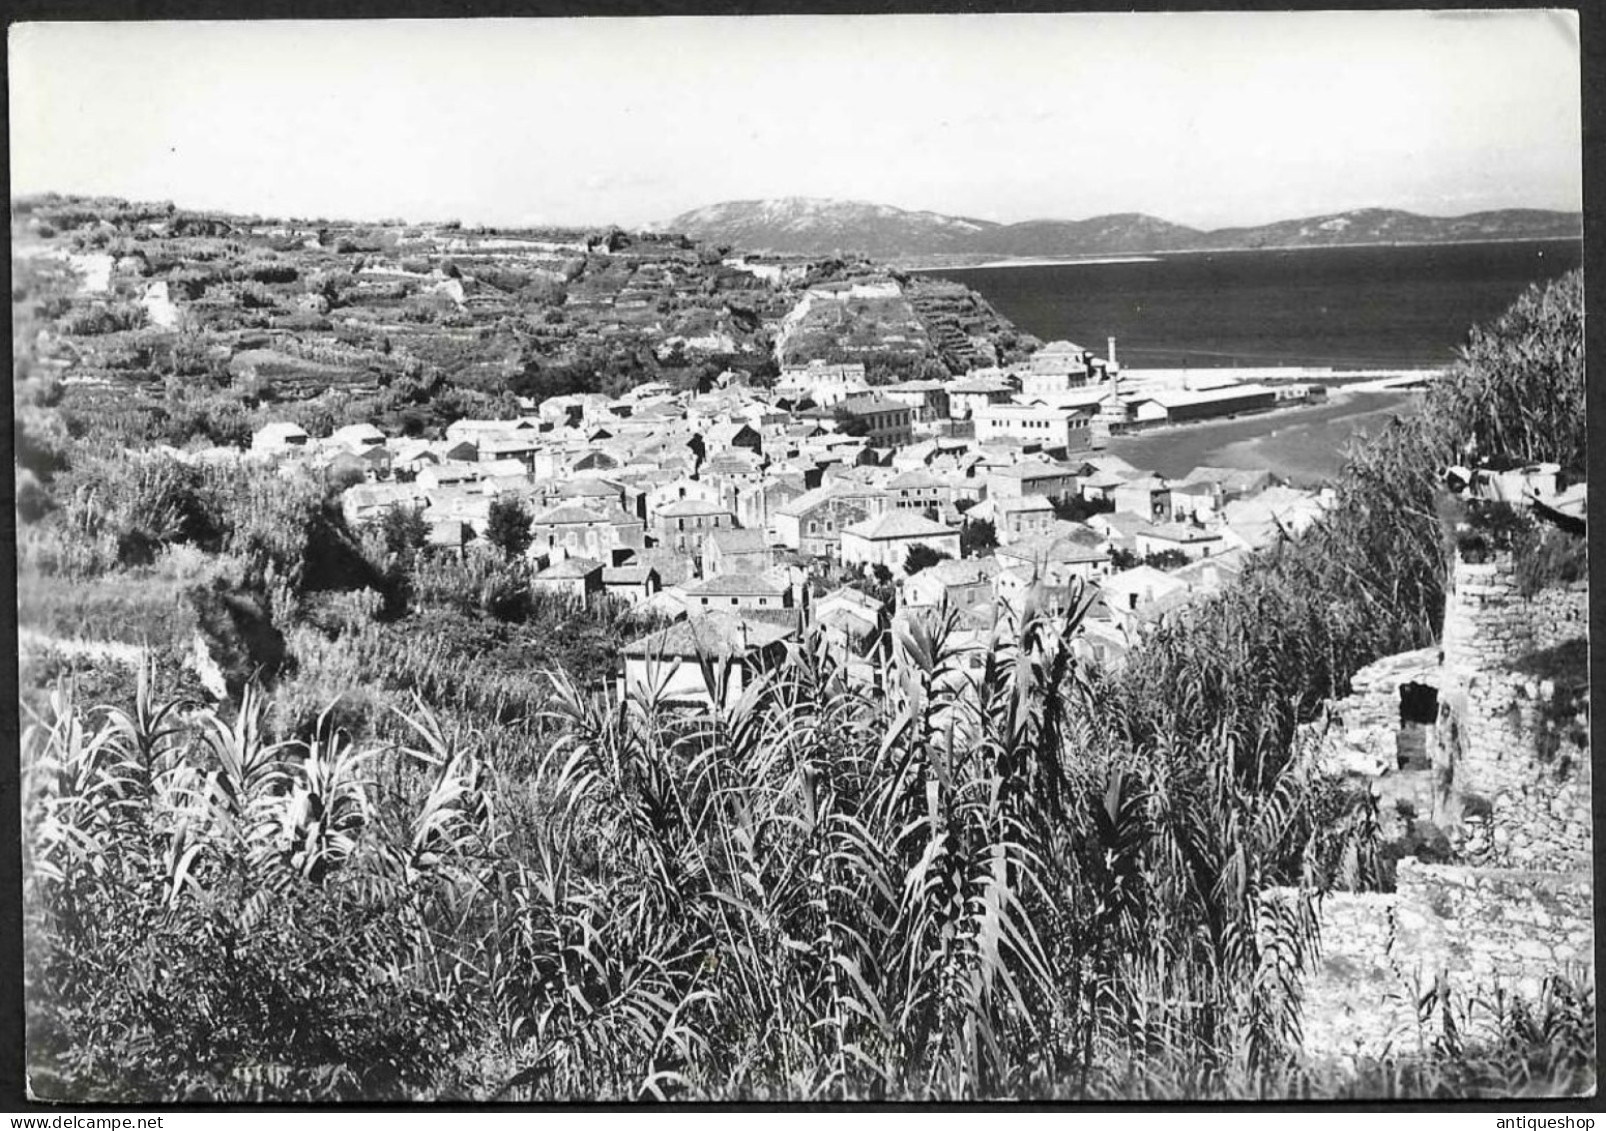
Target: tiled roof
(1007, 504)
(626, 575)
(682, 508)
(1147, 483)
(588, 487)
(734, 585)
(919, 477)
(569, 569)
(982, 385)
(739, 541)
(716, 634)
(1181, 532)
(861, 406)
(899, 524)
(567, 513)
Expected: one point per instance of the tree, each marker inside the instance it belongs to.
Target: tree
(977, 537)
(1074, 508)
(849, 423)
(507, 527)
(922, 556)
(882, 575)
(1167, 559)
(404, 529)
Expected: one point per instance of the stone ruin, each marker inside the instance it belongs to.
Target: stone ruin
(1477, 750)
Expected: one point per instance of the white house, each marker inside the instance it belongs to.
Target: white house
(886, 540)
(280, 436)
(669, 663)
(1193, 542)
(1070, 429)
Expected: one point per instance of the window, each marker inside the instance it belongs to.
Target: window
(733, 600)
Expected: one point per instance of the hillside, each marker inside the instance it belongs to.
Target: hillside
(803, 226)
(163, 313)
(809, 226)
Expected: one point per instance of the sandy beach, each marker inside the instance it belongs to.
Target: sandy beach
(1304, 444)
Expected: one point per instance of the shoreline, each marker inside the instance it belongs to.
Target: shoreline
(921, 266)
(1302, 443)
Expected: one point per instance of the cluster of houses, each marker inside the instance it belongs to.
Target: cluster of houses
(741, 514)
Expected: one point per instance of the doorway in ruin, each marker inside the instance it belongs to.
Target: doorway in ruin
(1419, 712)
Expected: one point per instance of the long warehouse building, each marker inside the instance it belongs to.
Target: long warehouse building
(1177, 406)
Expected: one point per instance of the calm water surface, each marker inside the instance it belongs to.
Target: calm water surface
(1354, 306)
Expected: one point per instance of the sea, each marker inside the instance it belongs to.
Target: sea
(1357, 307)
(1348, 308)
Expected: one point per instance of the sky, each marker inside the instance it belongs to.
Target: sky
(1207, 119)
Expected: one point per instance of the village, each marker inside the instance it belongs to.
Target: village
(746, 515)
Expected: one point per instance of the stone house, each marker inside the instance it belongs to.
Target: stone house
(732, 435)
(1021, 516)
(355, 437)
(880, 421)
(960, 581)
(1068, 430)
(633, 583)
(1193, 542)
(591, 531)
(280, 436)
(1064, 553)
(812, 524)
(1032, 477)
(974, 393)
(682, 489)
(683, 526)
(573, 579)
(1148, 497)
(756, 505)
(368, 502)
(744, 591)
(887, 539)
(433, 477)
(927, 400)
(1130, 591)
(737, 551)
(668, 664)
(919, 490)
(1194, 502)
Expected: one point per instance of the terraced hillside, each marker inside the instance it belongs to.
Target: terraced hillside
(172, 315)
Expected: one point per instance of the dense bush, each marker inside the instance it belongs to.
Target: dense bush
(215, 918)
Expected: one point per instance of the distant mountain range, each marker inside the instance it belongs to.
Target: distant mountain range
(811, 226)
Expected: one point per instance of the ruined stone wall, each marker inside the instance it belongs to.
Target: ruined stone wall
(1510, 786)
(1356, 1002)
(1510, 792)
(1488, 624)
(1479, 928)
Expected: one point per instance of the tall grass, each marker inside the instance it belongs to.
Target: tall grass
(949, 888)
(213, 916)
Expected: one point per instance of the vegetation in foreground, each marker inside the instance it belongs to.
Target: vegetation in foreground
(1018, 880)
